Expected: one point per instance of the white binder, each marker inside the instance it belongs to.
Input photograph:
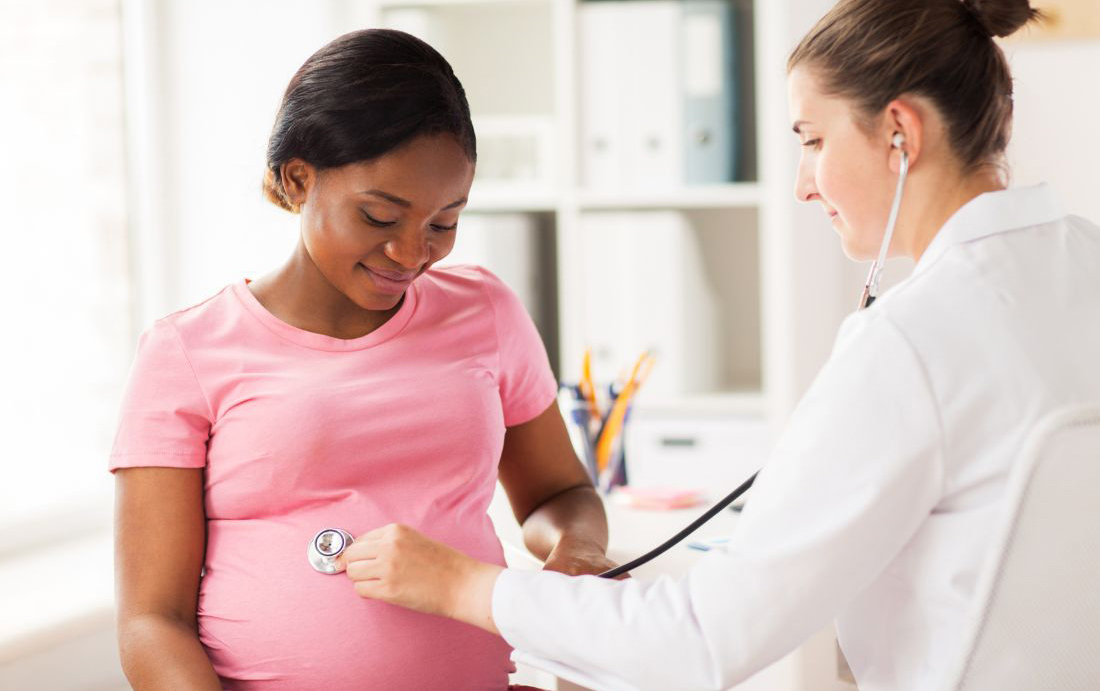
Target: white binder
(646, 289)
(600, 67)
(650, 100)
(507, 245)
(631, 109)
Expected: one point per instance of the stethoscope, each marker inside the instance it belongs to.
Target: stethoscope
(327, 546)
(870, 291)
(325, 549)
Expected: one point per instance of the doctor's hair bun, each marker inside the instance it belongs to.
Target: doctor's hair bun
(870, 52)
(360, 97)
(1001, 17)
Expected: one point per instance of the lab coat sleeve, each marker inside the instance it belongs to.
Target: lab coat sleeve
(857, 470)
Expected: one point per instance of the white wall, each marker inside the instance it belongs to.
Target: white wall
(805, 274)
(223, 66)
(1055, 137)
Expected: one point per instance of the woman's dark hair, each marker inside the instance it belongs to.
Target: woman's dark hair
(872, 51)
(361, 96)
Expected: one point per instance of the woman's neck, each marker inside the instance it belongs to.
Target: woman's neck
(943, 195)
(300, 295)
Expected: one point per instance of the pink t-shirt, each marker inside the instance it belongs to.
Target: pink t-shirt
(298, 431)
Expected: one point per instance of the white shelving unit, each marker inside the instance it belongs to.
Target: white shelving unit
(520, 59)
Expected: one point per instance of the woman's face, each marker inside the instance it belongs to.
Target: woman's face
(373, 227)
(841, 166)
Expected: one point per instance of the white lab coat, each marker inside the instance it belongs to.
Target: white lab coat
(876, 507)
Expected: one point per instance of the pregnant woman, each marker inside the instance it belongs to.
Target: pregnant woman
(354, 386)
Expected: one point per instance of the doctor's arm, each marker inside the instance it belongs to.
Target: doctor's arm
(160, 538)
(552, 498)
(858, 470)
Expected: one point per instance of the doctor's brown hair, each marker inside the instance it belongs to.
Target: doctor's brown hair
(872, 51)
(361, 96)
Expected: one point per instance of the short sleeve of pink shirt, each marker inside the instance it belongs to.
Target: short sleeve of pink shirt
(165, 419)
(525, 390)
(297, 431)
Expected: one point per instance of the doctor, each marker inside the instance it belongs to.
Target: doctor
(876, 506)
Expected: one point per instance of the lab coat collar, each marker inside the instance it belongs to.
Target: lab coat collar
(991, 213)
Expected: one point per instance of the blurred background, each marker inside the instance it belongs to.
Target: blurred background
(634, 186)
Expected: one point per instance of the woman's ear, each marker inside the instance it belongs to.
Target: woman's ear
(903, 117)
(298, 178)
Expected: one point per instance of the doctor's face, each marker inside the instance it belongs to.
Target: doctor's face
(841, 166)
(372, 227)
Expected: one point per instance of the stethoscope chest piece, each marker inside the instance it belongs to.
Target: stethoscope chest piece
(326, 547)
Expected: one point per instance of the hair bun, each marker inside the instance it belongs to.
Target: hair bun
(1001, 17)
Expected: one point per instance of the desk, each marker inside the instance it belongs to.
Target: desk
(632, 533)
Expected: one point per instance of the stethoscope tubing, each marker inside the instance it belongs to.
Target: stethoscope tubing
(870, 290)
(678, 537)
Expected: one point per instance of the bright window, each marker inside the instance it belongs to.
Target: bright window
(64, 282)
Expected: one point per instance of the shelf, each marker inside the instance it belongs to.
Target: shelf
(403, 4)
(724, 404)
(697, 269)
(733, 195)
(486, 197)
(490, 198)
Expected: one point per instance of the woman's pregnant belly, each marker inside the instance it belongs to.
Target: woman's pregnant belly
(270, 622)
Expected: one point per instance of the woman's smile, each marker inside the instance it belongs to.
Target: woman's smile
(388, 281)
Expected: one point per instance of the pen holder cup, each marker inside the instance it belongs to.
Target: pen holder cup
(598, 445)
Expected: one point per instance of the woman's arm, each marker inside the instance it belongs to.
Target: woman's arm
(552, 498)
(160, 540)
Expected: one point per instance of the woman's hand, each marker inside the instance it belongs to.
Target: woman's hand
(578, 558)
(398, 565)
(562, 516)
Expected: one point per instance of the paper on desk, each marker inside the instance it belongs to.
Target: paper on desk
(597, 681)
(657, 498)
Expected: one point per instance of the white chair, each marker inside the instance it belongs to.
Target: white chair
(1036, 621)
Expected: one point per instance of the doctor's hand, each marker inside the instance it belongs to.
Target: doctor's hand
(398, 565)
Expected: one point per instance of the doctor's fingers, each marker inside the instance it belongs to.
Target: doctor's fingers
(373, 561)
(378, 578)
(393, 580)
(365, 568)
(397, 548)
(375, 581)
(367, 544)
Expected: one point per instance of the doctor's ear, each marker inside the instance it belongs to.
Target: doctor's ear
(903, 129)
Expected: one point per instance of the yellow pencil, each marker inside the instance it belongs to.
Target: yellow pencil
(613, 428)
